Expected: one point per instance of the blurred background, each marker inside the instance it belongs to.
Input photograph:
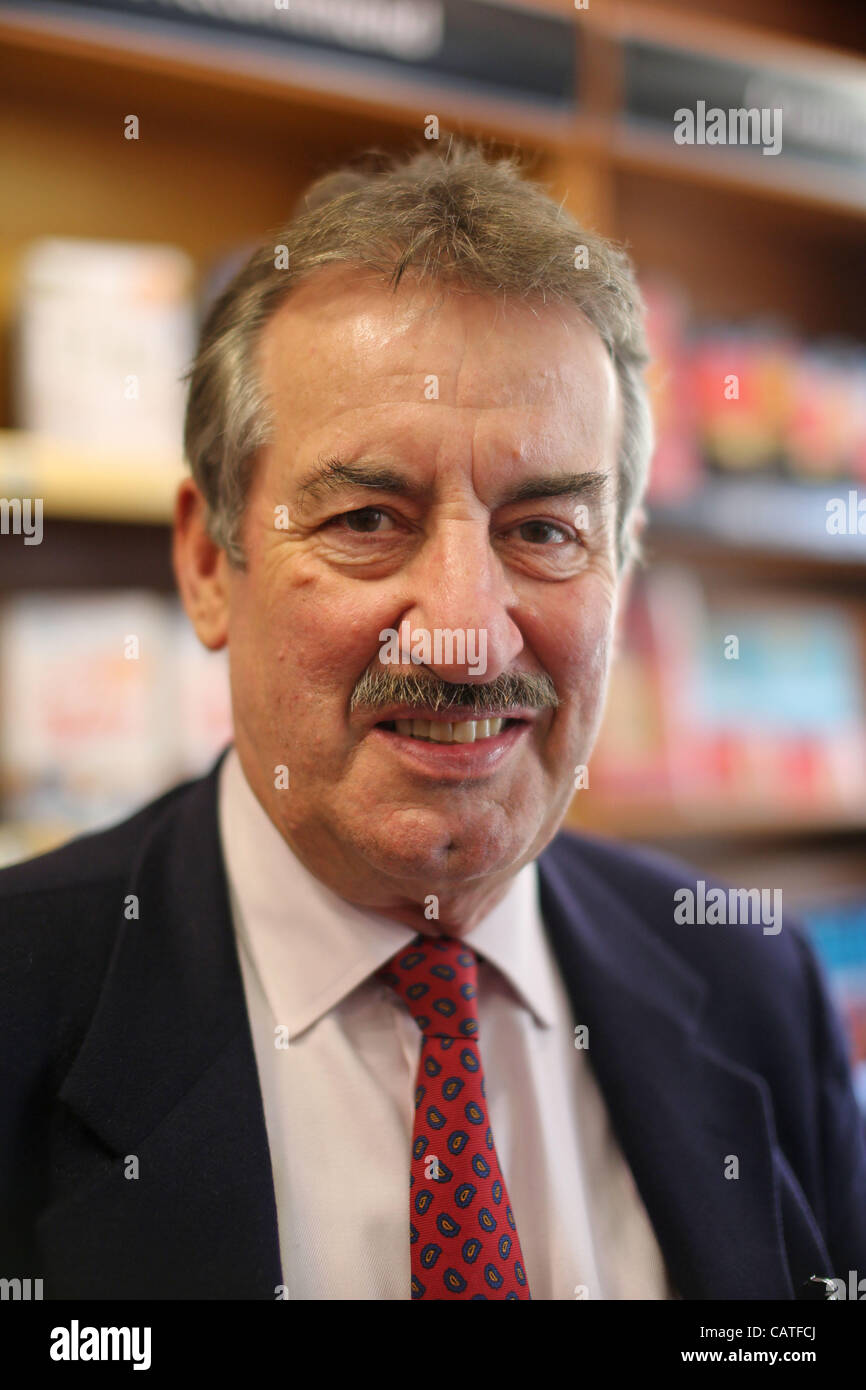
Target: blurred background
(145, 148)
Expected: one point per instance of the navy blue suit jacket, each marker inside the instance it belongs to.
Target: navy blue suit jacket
(127, 1037)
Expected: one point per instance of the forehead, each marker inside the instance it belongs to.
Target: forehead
(345, 344)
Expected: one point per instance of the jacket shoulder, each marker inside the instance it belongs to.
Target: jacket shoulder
(744, 960)
(631, 870)
(60, 916)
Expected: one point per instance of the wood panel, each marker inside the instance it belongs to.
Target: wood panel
(837, 23)
(739, 255)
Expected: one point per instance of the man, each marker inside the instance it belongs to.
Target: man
(347, 1018)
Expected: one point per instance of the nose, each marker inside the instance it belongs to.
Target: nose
(466, 597)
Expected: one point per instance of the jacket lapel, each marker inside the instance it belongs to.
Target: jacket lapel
(681, 1112)
(167, 1075)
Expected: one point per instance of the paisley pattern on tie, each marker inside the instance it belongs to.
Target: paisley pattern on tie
(461, 1227)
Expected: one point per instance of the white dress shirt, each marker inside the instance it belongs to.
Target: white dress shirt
(337, 1055)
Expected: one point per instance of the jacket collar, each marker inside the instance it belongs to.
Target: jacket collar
(680, 1110)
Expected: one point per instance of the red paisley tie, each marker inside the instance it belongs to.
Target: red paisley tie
(462, 1231)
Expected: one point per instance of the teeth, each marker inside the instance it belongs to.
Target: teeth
(437, 731)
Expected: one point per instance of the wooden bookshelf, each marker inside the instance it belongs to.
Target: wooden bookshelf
(230, 140)
(86, 483)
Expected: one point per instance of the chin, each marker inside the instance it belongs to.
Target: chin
(447, 855)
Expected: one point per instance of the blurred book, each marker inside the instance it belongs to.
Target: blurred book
(759, 708)
(742, 383)
(105, 331)
(749, 399)
(104, 703)
(203, 707)
(838, 932)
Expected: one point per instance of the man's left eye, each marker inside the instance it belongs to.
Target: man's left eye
(544, 532)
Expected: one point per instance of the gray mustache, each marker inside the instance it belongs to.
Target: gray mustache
(512, 690)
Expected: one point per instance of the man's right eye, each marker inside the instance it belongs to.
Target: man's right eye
(364, 521)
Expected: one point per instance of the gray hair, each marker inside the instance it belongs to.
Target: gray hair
(462, 218)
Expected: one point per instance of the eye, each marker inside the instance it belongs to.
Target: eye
(545, 533)
(364, 521)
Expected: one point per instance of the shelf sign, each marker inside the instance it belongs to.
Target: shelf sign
(488, 47)
(792, 114)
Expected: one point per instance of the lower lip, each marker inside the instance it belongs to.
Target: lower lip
(455, 761)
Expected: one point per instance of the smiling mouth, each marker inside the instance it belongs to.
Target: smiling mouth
(442, 731)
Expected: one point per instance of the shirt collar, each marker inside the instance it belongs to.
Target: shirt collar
(310, 948)
(512, 938)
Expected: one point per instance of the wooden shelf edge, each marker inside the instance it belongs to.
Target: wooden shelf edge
(632, 150)
(285, 82)
(83, 483)
(655, 821)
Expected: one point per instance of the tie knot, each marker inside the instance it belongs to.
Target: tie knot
(436, 977)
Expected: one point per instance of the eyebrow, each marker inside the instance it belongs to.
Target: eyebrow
(333, 474)
(593, 487)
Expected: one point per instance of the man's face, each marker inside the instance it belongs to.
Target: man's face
(464, 414)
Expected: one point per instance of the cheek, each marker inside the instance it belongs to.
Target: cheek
(308, 642)
(575, 639)
(329, 640)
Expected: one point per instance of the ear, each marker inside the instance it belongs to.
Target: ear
(200, 568)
